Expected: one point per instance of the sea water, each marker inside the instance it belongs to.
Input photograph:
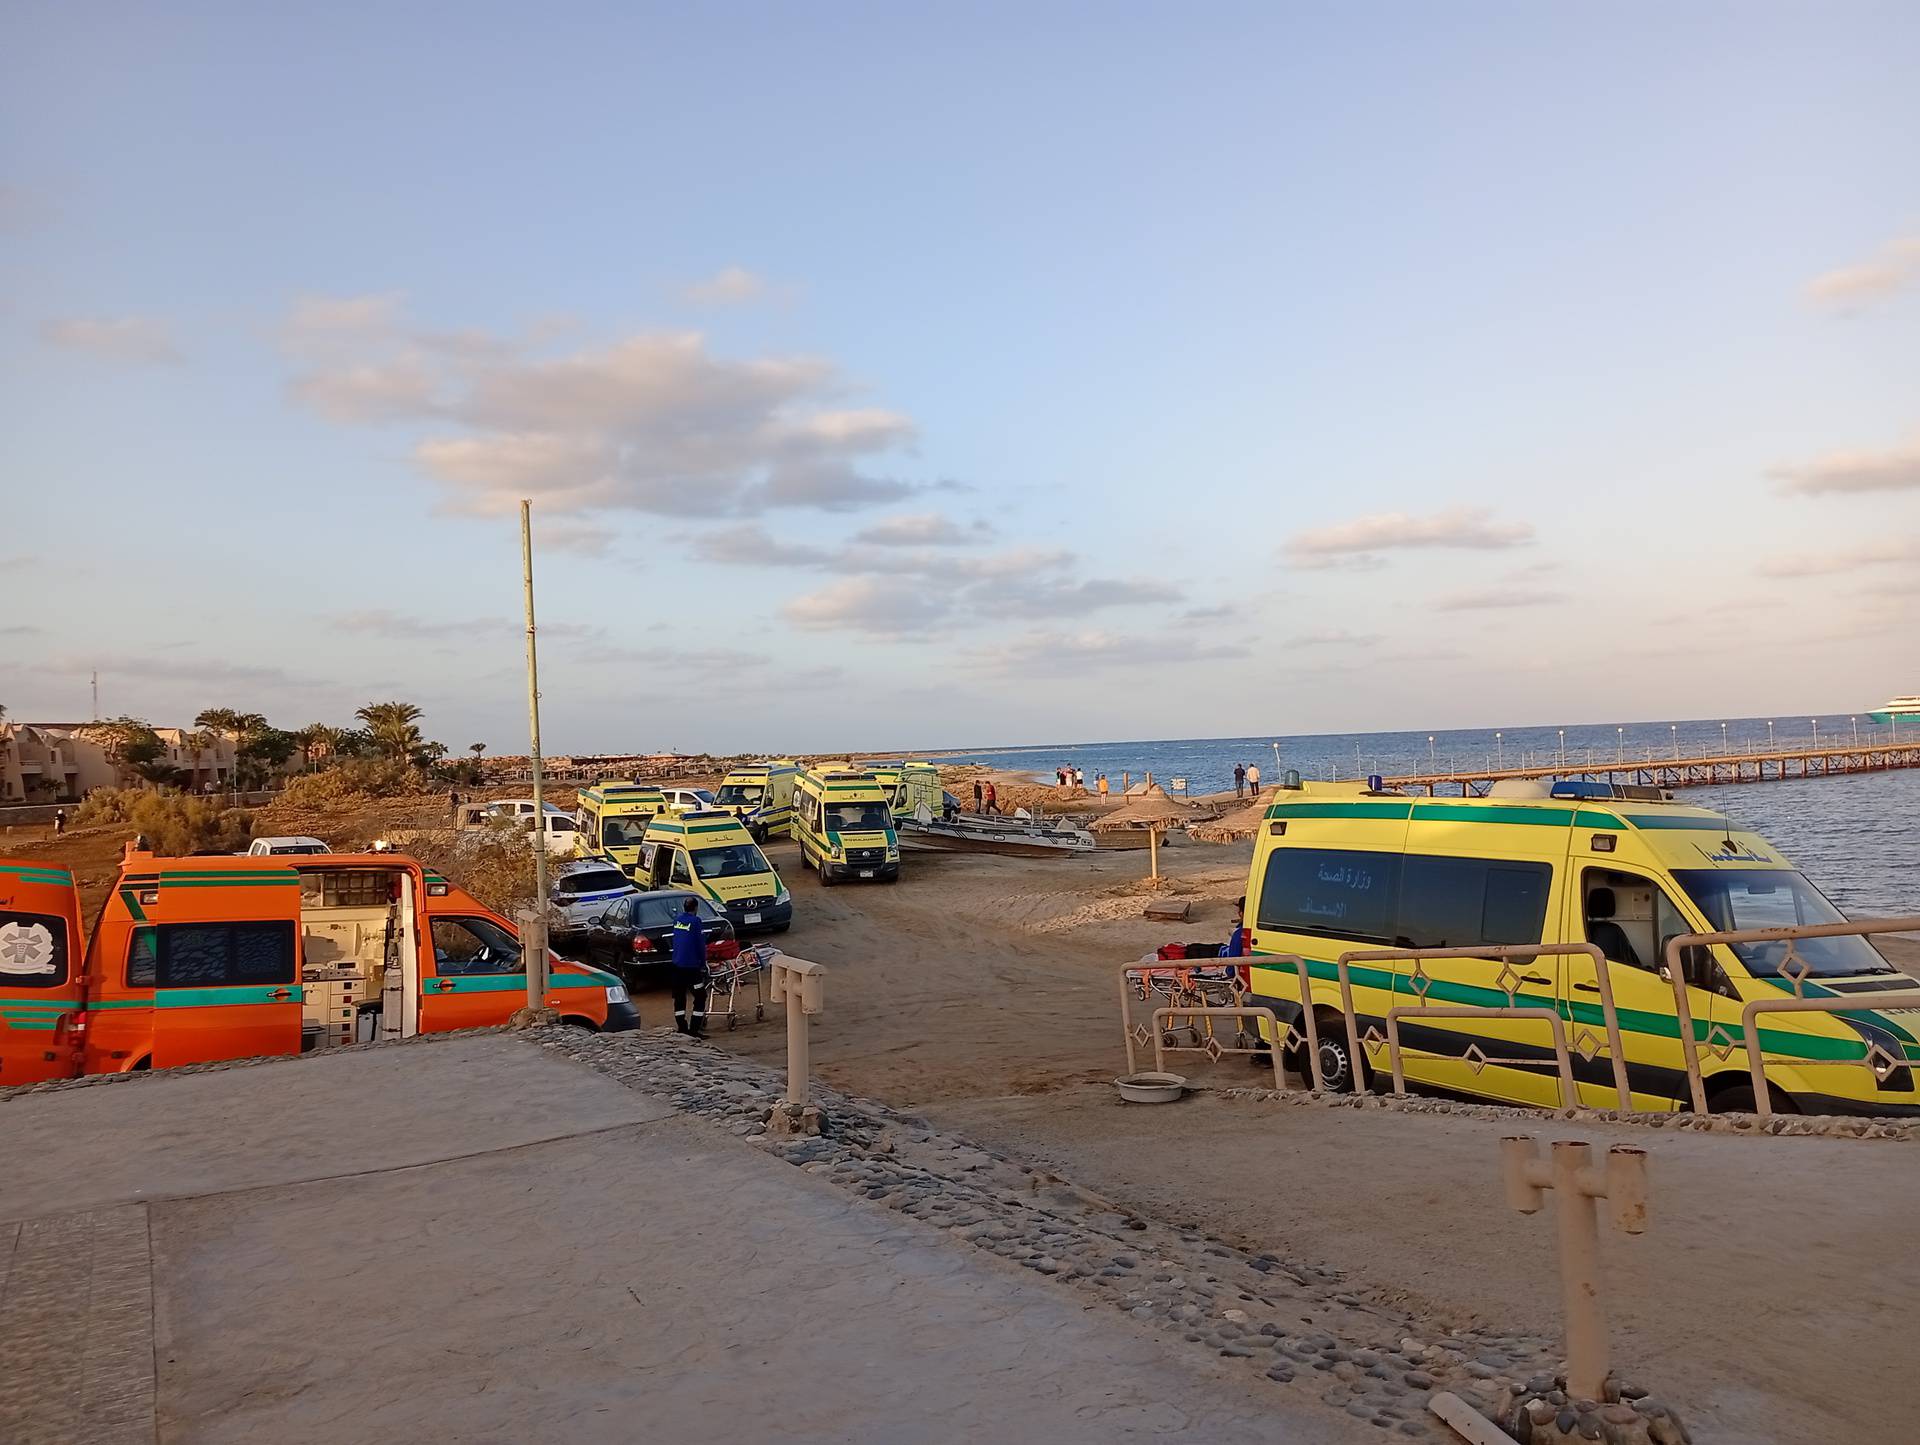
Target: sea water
(1852, 834)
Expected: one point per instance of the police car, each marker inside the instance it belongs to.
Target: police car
(581, 891)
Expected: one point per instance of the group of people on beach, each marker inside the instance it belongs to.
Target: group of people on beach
(1246, 778)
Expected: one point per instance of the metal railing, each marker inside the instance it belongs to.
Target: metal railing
(1141, 976)
(1420, 983)
(1213, 1048)
(1721, 1040)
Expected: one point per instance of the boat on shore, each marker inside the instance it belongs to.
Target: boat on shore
(1897, 708)
(1014, 837)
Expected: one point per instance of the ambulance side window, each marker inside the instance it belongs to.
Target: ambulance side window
(198, 955)
(679, 876)
(143, 962)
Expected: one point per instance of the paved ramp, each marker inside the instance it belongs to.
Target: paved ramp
(473, 1240)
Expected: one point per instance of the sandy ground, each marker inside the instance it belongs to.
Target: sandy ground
(981, 991)
(473, 1240)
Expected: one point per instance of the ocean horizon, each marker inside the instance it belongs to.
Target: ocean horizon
(1852, 833)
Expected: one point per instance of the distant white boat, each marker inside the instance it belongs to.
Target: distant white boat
(1897, 707)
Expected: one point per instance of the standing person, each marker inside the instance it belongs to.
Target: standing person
(1080, 779)
(1101, 782)
(1236, 946)
(976, 795)
(991, 799)
(1239, 779)
(59, 821)
(1253, 780)
(690, 970)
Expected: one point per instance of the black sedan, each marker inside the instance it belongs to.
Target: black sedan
(634, 937)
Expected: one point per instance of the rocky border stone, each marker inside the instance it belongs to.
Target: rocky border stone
(1302, 1325)
(1824, 1126)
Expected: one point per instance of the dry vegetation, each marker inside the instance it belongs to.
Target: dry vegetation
(173, 824)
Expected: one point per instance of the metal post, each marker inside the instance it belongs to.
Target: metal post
(799, 1057)
(1576, 1185)
(800, 985)
(535, 957)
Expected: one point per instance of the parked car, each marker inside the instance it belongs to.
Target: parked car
(635, 935)
(687, 800)
(265, 847)
(579, 894)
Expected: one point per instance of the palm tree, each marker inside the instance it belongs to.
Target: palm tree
(200, 740)
(230, 723)
(316, 739)
(394, 727)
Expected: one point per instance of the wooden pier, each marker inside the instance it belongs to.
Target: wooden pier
(1678, 772)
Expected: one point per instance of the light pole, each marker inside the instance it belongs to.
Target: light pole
(1500, 749)
(1674, 728)
(1563, 749)
(1619, 745)
(1769, 734)
(1723, 740)
(1856, 730)
(1433, 762)
(1816, 732)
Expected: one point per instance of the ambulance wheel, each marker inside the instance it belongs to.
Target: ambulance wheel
(1739, 1099)
(827, 880)
(1337, 1064)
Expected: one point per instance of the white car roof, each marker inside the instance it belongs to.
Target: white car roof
(292, 839)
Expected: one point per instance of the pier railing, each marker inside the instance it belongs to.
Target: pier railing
(1694, 771)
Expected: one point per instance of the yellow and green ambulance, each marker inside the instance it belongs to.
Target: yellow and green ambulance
(761, 797)
(1339, 869)
(614, 814)
(710, 853)
(843, 822)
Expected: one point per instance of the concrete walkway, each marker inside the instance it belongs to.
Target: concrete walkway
(473, 1240)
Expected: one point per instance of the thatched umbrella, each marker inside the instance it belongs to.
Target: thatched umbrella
(1154, 811)
(1244, 823)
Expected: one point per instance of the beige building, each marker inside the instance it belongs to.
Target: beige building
(49, 763)
(59, 763)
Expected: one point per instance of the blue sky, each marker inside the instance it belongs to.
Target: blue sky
(887, 377)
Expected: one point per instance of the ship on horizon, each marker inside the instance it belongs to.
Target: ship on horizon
(1896, 707)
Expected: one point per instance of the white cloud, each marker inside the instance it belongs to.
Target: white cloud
(393, 391)
(1850, 559)
(883, 607)
(383, 622)
(331, 318)
(652, 423)
(137, 339)
(1334, 637)
(1888, 270)
(1360, 541)
(729, 286)
(935, 588)
(1493, 598)
(923, 529)
(1896, 469)
(1061, 654)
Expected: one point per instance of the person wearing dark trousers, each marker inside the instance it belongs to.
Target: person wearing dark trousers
(690, 970)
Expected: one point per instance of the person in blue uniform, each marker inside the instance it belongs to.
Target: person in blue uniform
(690, 970)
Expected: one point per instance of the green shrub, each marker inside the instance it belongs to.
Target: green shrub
(353, 781)
(174, 824)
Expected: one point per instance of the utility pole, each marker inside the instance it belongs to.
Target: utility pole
(533, 941)
(96, 695)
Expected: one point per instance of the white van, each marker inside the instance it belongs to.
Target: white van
(268, 847)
